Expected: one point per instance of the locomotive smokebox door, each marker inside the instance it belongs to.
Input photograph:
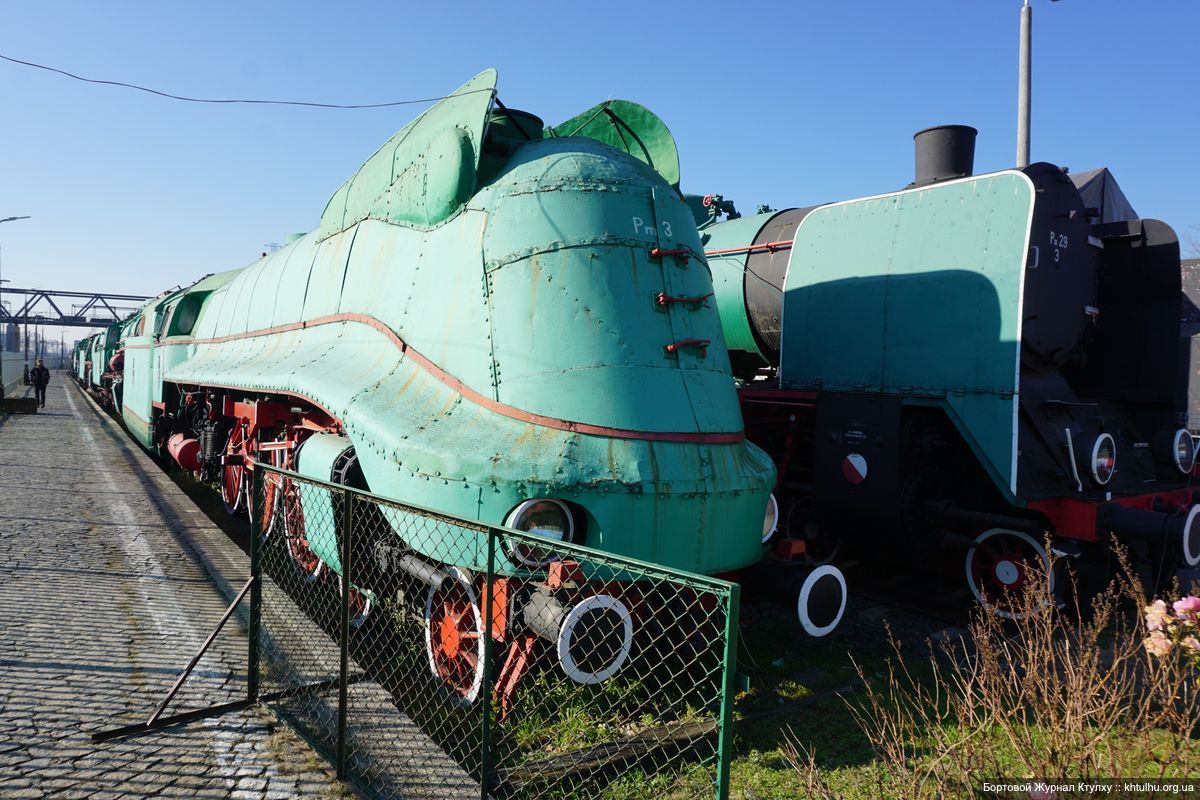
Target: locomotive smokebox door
(857, 460)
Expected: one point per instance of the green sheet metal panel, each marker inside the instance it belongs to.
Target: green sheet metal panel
(322, 518)
(917, 293)
(138, 375)
(425, 172)
(261, 313)
(575, 325)
(729, 277)
(186, 308)
(631, 128)
(419, 440)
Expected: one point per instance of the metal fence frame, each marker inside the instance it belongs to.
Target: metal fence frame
(727, 593)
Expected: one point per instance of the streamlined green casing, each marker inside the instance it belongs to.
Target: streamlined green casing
(917, 294)
(477, 327)
(158, 337)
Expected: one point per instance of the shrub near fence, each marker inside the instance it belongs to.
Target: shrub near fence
(602, 676)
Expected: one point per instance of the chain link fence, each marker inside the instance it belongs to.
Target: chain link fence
(430, 656)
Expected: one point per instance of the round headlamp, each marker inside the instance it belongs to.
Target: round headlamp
(770, 519)
(1183, 450)
(546, 518)
(1104, 458)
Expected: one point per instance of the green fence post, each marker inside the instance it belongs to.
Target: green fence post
(252, 626)
(485, 767)
(346, 530)
(725, 742)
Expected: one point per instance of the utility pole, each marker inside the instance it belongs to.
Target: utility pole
(1023, 84)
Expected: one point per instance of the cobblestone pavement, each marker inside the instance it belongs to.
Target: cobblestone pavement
(110, 579)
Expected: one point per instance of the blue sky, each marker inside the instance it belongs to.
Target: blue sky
(781, 103)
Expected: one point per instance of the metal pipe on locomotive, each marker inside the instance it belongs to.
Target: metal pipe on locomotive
(478, 326)
(969, 365)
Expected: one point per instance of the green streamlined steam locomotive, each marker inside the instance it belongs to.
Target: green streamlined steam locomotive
(497, 320)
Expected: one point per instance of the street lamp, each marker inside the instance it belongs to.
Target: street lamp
(4, 334)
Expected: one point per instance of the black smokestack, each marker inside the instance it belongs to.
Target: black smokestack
(944, 152)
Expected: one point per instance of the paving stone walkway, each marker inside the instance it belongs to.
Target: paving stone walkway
(110, 579)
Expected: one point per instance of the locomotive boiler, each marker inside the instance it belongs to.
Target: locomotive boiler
(975, 364)
(494, 319)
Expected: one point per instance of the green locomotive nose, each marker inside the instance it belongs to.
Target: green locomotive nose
(602, 323)
(588, 324)
(493, 313)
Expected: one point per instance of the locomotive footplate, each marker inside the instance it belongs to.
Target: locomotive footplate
(1159, 518)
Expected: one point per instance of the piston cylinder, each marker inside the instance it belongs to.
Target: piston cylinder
(593, 637)
(185, 450)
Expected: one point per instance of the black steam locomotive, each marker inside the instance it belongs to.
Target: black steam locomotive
(970, 367)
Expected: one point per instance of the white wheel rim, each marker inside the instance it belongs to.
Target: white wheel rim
(1191, 558)
(368, 602)
(810, 627)
(1025, 537)
(477, 680)
(306, 577)
(566, 633)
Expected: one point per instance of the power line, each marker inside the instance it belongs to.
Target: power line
(250, 102)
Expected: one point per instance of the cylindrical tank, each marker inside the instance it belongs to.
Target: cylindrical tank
(185, 450)
(749, 259)
(944, 152)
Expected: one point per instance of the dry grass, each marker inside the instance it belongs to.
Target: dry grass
(1054, 695)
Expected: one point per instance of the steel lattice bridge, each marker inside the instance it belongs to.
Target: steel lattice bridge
(96, 308)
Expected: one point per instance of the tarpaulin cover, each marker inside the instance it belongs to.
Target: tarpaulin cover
(1099, 190)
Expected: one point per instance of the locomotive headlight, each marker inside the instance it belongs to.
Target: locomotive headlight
(546, 518)
(1104, 458)
(1184, 450)
(770, 519)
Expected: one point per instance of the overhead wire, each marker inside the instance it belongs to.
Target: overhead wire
(184, 98)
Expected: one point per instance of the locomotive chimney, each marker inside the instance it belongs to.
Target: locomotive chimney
(944, 152)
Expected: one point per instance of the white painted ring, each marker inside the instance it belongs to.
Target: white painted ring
(810, 627)
(1183, 434)
(1191, 558)
(566, 633)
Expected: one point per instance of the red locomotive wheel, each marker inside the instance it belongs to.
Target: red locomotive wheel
(267, 514)
(1000, 566)
(271, 492)
(233, 476)
(821, 545)
(454, 636)
(307, 564)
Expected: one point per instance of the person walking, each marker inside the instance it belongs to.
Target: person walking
(40, 377)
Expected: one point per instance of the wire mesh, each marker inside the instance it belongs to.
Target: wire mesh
(481, 661)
